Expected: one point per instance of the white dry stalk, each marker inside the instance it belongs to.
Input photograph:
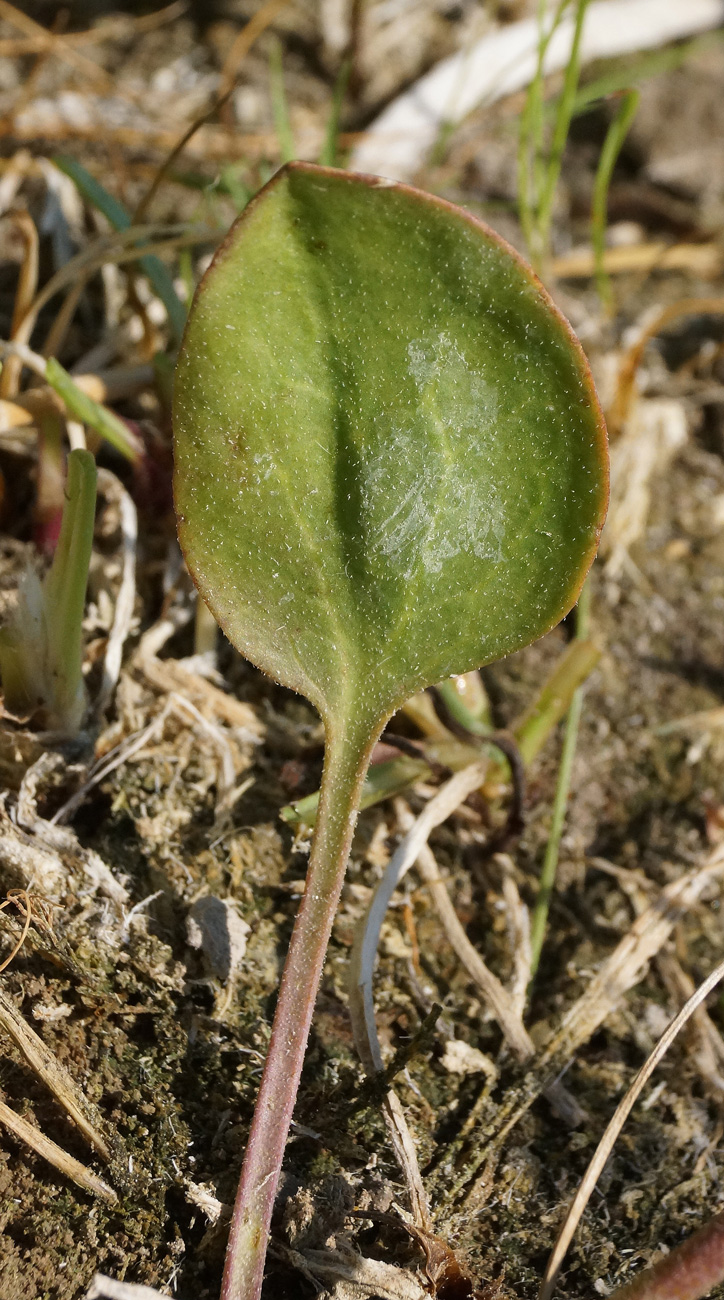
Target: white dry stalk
(414, 848)
(496, 995)
(655, 432)
(505, 61)
(708, 1045)
(708, 1042)
(517, 919)
(125, 599)
(614, 1127)
(172, 675)
(404, 1148)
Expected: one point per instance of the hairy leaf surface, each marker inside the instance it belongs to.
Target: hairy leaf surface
(390, 460)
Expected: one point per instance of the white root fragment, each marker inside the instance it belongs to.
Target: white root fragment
(364, 949)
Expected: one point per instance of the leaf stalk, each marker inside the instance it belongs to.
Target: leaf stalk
(347, 755)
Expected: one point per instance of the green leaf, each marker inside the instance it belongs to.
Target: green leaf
(390, 457)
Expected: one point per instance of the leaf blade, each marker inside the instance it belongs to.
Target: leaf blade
(403, 430)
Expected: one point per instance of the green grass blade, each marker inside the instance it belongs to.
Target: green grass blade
(329, 155)
(612, 145)
(153, 268)
(460, 711)
(280, 107)
(546, 884)
(98, 417)
(93, 192)
(633, 72)
(560, 133)
(528, 134)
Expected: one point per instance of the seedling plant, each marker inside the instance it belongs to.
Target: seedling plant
(390, 468)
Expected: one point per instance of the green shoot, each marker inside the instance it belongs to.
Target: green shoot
(547, 881)
(624, 74)
(78, 404)
(612, 145)
(97, 416)
(41, 648)
(460, 711)
(329, 152)
(539, 165)
(280, 107)
(231, 183)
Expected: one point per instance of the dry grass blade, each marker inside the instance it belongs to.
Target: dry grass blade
(112, 248)
(506, 1007)
(614, 1127)
(239, 49)
(632, 360)
(23, 900)
(620, 972)
(404, 1147)
(243, 42)
(707, 1045)
(655, 432)
(56, 1156)
(26, 290)
(703, 260)
(44, 1064)
(169, 675)
(133, 745)
(518, 923)
(624, 967)
(58, 45)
